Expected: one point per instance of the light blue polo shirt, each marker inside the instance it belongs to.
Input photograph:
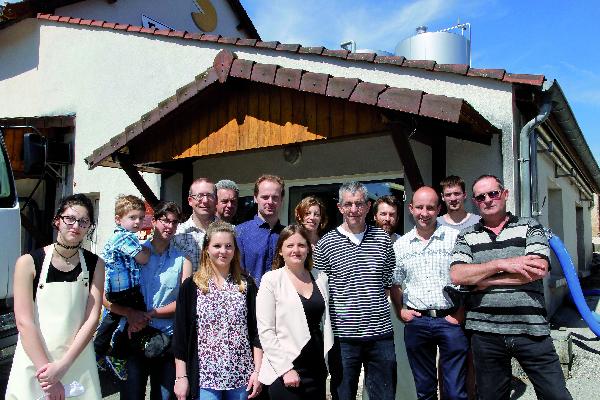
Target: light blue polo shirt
(160, 279)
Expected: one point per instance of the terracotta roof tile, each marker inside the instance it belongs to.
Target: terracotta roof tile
(460, 69)
(336, 53)
(314, 82)
(421, 64)
(264, 73)
(370, 57)
(178, 34)
(367, 92)
(227, 40)
(394, 60)
(192, 35)
(400, 99)
(288, 47)
(241, 68)
(210, 38)
(267, 45)
(246, 42)
(288, 78)
(341, 87)
(311, 50)
(486, 73)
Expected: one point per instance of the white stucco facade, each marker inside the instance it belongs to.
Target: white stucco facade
(108, 79)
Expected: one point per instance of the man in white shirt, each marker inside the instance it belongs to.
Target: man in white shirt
(431, 320)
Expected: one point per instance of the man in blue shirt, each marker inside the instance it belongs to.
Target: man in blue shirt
(257, 238)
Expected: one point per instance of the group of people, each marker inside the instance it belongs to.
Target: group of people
(209, 310)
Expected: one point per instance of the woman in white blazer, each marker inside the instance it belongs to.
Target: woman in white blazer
(292, 314)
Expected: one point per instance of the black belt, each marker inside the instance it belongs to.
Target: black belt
(434, 313)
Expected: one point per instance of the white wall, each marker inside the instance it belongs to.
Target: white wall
(109, 79)
(175, 14)
(555, 284)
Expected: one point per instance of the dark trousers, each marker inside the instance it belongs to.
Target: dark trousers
(379, 359)
(492, 355)
(422, 336)
(132, 298)
(161, 371)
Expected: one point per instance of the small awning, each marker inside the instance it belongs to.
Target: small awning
(434, 114)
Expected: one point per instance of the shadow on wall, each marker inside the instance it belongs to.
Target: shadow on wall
(19, 48)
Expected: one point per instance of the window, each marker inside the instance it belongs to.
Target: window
(8, 196)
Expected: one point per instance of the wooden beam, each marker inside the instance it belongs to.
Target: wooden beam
(188, 178)
(137, 180)
(438, 162)
(407, 156)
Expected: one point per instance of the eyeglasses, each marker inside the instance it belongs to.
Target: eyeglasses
(166, 221)
(358, 204)
(493, 195)
(70, 220)
(200, 196)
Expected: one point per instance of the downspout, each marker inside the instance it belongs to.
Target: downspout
(528, 170)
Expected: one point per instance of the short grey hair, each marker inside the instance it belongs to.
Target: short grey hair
(228, 184)
(352, 188)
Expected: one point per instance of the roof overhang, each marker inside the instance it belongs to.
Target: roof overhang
(442, 112)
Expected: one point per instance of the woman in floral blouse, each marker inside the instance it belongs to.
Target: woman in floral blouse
(215, 341)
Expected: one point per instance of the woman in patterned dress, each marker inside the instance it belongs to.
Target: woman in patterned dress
(215, 342)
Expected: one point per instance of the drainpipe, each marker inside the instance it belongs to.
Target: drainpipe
(528, 170)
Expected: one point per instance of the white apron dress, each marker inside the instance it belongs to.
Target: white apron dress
(59, 311)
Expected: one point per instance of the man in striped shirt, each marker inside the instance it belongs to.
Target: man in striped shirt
(423, 266)
(359, 262)
(504, 258)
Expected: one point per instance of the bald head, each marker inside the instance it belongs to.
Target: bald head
(425, 194)
(424, 207)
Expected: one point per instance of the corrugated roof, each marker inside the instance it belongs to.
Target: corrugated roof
(429, 65)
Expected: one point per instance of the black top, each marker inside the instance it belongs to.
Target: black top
(314, 307)
(185, 330)
(56, 275)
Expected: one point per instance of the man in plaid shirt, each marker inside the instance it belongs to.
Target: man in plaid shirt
(423, 258)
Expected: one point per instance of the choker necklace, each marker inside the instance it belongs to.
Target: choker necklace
(65, 257)
(65, 246)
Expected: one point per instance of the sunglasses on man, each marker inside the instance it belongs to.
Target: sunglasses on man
(492, 195)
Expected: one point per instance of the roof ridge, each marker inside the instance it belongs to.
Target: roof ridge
(399, 61)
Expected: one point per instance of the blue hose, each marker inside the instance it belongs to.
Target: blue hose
(591, 318)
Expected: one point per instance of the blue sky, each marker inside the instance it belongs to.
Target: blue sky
(559, 39)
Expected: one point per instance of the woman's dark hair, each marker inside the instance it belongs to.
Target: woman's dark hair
(77, 200)
(285, 234)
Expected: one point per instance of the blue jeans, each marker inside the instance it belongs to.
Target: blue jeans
(231, 394)
(161, 371)
(536, 354)
(422, 336)
(379, 359)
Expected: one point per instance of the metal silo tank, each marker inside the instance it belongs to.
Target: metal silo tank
(442, 47)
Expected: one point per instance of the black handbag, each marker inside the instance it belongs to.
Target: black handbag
(149, 342)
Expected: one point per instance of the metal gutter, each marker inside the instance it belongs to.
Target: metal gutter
(570, 128)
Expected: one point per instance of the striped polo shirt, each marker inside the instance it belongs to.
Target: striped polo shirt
(508, 310)
(358, 276)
